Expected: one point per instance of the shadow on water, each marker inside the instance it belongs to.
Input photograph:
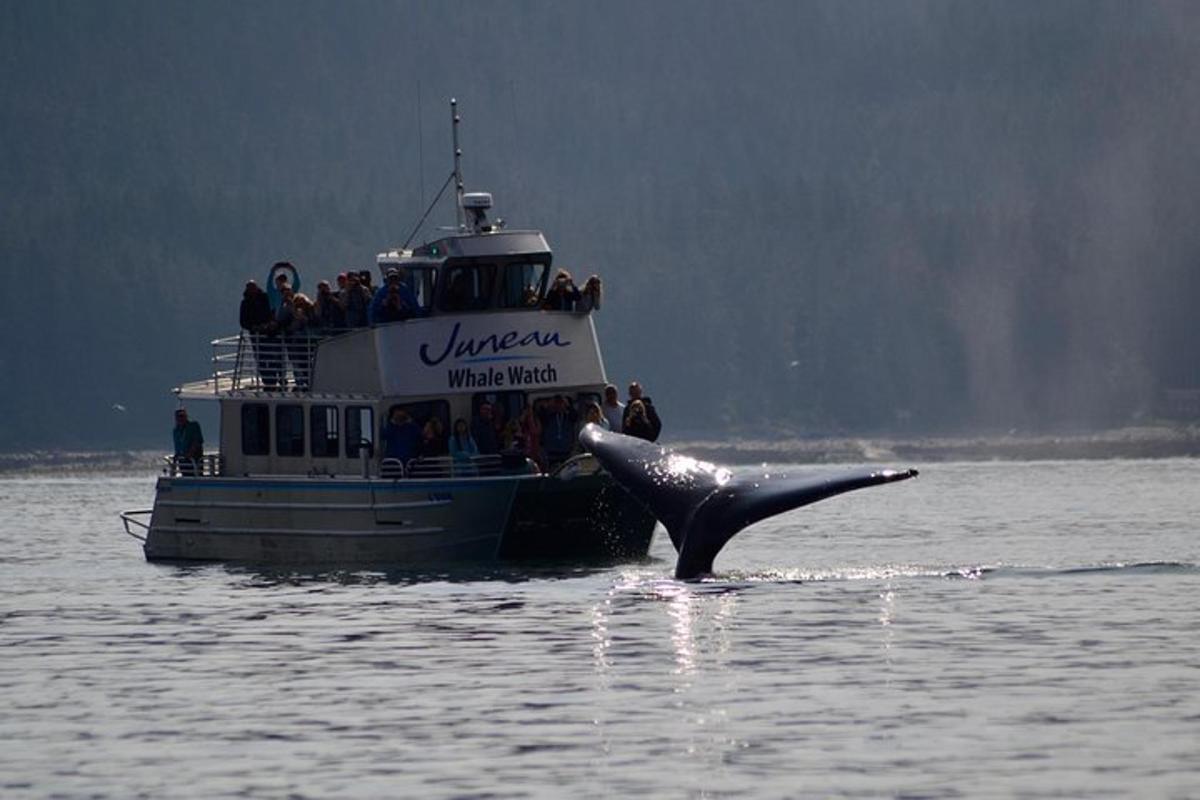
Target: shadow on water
(268, 576)
(647, 578)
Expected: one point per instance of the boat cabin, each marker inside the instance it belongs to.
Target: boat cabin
(314, 403)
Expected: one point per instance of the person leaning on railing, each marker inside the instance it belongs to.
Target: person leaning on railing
(589, 296)
(189, 444)
(257, 319)
(329, 313)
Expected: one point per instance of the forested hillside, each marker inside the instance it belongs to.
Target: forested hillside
(836, 216)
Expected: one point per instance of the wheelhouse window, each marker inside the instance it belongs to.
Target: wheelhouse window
(467, 287)
(289, 430)
(523, 284)
(256, 429)
(323, 431)
(360, 431)
(419, 280)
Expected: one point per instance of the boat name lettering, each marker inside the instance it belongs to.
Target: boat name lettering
(493, 343)
(493, 377)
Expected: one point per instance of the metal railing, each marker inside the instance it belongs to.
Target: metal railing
(134, 526)
(210, 465)
(450, 467)
(258, 362)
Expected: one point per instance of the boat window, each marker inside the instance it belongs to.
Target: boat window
(522, 285)
(256, 429)
(289, 430)
(323, 431)
(505, 405)
(360, 430)
(423, 411)
(420, 281)
(467, 287)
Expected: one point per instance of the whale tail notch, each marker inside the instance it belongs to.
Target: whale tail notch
(703, 505)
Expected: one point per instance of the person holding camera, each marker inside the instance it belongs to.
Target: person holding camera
(563, 294)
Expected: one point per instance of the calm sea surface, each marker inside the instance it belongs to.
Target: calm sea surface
(988, 630)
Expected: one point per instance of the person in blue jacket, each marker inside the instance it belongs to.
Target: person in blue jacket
(401, 436)
(284, 273)
(408, 301)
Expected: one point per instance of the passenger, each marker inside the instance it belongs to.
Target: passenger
(400, 436)
(637, 423)
(330, 316)
(515, 455)
(462, 446)
(613, 408)
(393, 302)
(589, 298)
(189, 444)
(300, 344)
(342, 283)
(635, 393)
(563, 295)
(356, 303)
(530, 432)
(433, 439)
(510, 435)
(558, 419)
(283, 273)
(592, 415)
(483, 430)
(256, 318)
(285, 315)
(529, 298)
(364, 277)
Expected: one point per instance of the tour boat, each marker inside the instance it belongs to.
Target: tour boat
(301, 477)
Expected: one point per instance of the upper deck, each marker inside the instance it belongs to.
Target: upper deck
(479, 323)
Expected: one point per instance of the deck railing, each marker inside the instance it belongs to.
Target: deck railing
(210, 465)
(450, 467)
(255, 362)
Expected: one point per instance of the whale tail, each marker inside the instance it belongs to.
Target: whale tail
(702, 505)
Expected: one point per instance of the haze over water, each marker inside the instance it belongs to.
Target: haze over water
(986, 630)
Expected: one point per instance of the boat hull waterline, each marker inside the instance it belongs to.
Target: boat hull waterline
(296, 520)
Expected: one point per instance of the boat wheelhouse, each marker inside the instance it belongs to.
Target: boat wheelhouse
(303, 475)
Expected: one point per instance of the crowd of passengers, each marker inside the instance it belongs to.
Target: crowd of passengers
(546, 432)
(284, 323)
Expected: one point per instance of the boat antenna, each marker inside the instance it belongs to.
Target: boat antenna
(458, 179)
(425, 216)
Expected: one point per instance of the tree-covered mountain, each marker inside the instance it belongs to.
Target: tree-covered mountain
(850, 216)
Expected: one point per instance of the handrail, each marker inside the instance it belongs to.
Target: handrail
(451, 467)
(130, 518)
(261, 362)
(210, 465)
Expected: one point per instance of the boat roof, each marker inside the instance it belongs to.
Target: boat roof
(475, 245)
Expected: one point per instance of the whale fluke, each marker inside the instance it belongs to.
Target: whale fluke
(702, 504)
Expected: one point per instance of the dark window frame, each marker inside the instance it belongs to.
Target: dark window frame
(263, 424)
(352, 446)
(330, 445)
(483, 301)
(502, 284)
(281, 429)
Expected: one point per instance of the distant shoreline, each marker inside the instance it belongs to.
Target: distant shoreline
(1134, 442)
(1147, 442)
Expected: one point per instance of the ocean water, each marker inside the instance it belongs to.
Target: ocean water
(988, 630)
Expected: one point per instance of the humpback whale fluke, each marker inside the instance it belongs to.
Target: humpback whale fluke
(703, 505)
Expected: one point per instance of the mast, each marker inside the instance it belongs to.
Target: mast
(458, 179)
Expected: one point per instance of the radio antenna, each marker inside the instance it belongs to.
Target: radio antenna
(458, 178)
